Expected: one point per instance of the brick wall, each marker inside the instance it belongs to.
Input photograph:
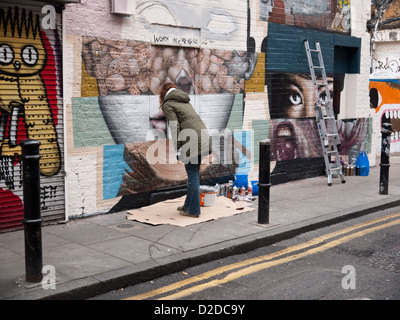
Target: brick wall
(241, 63)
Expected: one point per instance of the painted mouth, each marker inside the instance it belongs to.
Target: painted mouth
(285, 144)
(392, 116)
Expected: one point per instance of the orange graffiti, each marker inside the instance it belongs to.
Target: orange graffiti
(388, 93)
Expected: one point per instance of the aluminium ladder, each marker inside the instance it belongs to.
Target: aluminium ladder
(326, 121)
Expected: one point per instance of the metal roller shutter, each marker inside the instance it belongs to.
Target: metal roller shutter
(31, 106)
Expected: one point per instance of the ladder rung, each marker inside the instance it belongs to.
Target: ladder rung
(331, 134)
(335, 168)
(331, 151)
(317, 67)
(314, 50)
(328, 118)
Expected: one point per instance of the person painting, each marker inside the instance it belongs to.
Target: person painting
(191, 141)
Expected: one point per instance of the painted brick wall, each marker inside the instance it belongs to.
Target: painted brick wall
(239, 62)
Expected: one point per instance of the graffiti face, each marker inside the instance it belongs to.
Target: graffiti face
(294, 133)
(22, 89)
(385, 99)
(29, 88)
(22, 59)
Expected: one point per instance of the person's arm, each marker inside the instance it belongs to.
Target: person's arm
(173, 124)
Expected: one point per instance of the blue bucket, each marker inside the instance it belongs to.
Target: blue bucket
(254, 184)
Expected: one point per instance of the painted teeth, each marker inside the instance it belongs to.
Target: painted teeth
(392, 114)
(284, 132)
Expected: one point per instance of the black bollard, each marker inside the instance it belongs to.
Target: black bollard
(264, 181)
(32, 217)
(385, 153)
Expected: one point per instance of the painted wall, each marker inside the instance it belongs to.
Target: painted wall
(385, 76)
(385, 99)
(215, 51)
(384, 84)
(30, 107)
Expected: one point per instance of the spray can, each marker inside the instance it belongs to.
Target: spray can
(243, 191)
(249, 189)
(235, 191)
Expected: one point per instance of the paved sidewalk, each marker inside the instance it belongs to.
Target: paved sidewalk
(106, 252)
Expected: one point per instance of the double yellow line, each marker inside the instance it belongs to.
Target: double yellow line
(253, 265)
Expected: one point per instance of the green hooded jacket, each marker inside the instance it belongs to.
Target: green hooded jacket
(189, 133)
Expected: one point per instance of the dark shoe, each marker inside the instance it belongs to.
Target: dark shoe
(187, 214)
(181, 208)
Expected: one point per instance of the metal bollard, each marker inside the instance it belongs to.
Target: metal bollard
(264, 181)
(32, 217)
(385, 153)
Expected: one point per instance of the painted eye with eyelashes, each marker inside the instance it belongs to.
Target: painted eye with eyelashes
(295, 99)
(322, 94)
(295, 96)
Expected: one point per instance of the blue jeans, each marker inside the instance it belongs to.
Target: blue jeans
(192, 201)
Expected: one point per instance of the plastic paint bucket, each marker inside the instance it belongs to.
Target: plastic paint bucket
(207, 199)
(254, 184)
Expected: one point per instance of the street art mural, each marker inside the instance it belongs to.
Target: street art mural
(308, 13)
(209, 52)
(26, 111)
(385, 100)
(28, 105)
(138, 69)
(128, 76)
(293, 129)
(294, 133)
(295, 141)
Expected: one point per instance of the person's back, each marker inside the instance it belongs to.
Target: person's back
(177, 107)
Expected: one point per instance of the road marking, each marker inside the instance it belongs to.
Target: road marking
(259, 263)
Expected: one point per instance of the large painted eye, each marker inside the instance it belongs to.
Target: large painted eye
(29, 55)
(295, 99)
(6, 54)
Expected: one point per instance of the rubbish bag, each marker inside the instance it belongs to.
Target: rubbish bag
(363, 163)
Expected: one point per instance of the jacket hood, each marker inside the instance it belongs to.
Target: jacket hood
(177, 95)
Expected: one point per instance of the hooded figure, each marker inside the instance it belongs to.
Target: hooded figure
(191, 141)
(189, 133)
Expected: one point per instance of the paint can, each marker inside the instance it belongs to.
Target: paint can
(207, 199)
(208, 196)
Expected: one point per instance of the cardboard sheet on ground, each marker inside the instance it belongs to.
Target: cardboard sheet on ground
(166, 212)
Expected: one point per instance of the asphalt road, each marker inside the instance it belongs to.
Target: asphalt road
(355, 260)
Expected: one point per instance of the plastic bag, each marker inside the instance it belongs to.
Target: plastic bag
(241, 180)
(363, 163)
